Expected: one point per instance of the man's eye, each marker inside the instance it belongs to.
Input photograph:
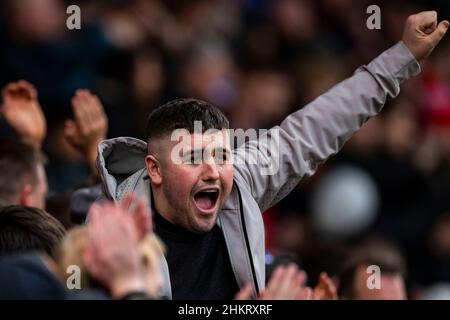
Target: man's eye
(221, 156)
(193, 158)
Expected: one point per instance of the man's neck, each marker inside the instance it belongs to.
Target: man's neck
(159, 208)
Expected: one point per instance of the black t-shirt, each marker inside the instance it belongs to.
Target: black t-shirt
(199, 264)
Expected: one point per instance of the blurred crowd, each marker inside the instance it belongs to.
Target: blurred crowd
(383, 200)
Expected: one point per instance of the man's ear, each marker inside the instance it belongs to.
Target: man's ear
(26, 196)
(153, 169)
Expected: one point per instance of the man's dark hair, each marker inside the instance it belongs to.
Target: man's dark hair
(18, 167)
(25, 229)
(383, 255)
(181, 114)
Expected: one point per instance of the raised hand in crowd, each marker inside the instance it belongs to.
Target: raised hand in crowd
(111, 256)
(286, 283)
(89, 126)
(325, 289)
(23, 112)
(140, 213)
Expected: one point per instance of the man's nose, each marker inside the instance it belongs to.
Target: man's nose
(210, 171)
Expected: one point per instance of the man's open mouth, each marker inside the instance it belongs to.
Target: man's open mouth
(206, 199)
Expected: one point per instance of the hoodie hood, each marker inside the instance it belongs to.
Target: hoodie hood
(121, 166)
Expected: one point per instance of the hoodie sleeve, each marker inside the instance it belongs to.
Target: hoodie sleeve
(278, 160)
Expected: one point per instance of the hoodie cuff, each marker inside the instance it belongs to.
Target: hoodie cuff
(396, 63)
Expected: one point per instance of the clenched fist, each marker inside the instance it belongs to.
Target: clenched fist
(422, 33)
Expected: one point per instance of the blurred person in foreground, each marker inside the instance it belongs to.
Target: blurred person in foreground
(22, 175)
(207, 199)
(89, 248)
(25, 229)
(107, 252)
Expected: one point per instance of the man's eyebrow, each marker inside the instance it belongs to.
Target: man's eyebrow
(218, 148)
(192, 151)
(196, 150)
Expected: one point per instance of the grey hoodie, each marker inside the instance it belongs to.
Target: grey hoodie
(304, 140)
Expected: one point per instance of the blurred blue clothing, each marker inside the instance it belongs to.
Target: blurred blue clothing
(25, 276)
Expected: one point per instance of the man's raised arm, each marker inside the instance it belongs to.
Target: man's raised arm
(274, 164)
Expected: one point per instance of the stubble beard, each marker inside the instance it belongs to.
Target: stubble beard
(186, 219)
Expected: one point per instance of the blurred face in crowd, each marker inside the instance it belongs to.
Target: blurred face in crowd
(295, 19)
(210, 75)
(264, 99)
(148, 76)
(191, 178)
(39, 20)
(392, 286)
